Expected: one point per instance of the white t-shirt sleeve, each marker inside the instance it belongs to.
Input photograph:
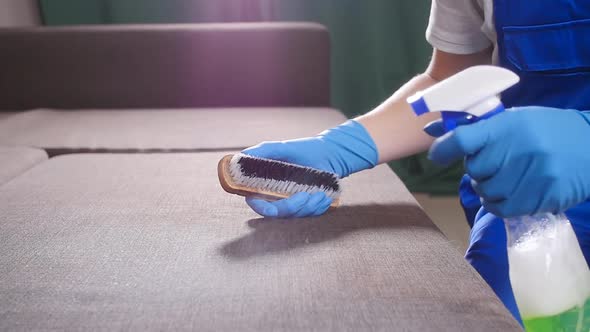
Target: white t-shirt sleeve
(455, 26)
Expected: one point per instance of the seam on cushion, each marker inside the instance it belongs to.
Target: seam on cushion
(22, 172)
(55, 152)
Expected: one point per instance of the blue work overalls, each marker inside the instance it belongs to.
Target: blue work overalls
(547, 43)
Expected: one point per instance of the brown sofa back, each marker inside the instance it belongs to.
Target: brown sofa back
(158, 66)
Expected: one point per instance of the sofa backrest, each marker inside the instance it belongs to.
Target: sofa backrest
(155, 66)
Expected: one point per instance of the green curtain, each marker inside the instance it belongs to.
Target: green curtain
(377, 46)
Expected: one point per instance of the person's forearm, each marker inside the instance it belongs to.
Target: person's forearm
(395, 129)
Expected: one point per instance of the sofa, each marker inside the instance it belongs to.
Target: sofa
(112, 218)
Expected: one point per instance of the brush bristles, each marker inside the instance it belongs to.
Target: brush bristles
(280, 177)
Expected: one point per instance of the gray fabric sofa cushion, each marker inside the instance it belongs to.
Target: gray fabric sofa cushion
(5, 115)
(16, 160)
(161, 130)
(165, 66)
(151, 242)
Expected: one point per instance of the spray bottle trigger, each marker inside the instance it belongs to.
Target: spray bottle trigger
(449, 122)
(453, 119)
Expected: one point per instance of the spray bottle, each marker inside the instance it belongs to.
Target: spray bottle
(548, 273)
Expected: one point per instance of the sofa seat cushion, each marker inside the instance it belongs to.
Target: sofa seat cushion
(16, 160)
(151, 242)
(167, 130)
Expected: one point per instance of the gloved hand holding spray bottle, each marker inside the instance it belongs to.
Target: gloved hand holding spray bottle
(549, 275)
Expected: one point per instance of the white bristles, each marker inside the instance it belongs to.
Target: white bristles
(271, 185)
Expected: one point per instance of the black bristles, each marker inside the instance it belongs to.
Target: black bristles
(281, 171)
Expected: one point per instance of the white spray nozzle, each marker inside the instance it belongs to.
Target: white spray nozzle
(473, 90)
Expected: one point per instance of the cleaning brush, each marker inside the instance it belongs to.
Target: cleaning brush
(246, 175)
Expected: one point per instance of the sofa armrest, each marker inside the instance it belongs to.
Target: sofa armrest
(156, 66)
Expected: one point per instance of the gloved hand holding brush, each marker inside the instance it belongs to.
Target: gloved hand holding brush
(343, 150)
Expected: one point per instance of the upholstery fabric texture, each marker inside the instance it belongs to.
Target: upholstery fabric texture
(16, 160)
(151, 242)
(165, 66)
(169, 130)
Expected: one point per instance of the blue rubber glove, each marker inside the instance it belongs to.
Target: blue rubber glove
(524, 161)
(343, 150)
